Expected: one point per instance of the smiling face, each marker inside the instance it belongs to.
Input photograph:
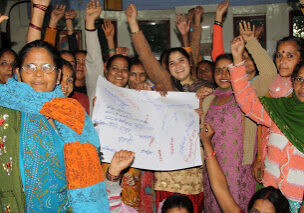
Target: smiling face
(118, 73)
(39, 80)
(179, 66)
(137, 75)
(298, 85)
(67, 81)
(205, 72)
(262, 206)
(221, 73)
(287, 57)
(6, 61)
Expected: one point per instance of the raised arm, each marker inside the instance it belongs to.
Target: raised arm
(217, 40)
(155, 71)
(244, 93)
(195, 37)
(108, 29)
(69, 16)
(51, 30)
(183, 26)
(94, 62)
(39, 8)
(265, 66)
(216, 176)
(3, 18)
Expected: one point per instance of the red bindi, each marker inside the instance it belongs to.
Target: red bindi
(283, 51)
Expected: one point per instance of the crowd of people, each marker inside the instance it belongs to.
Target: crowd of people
(251, 128)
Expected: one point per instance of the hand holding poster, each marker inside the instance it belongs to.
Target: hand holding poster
(162, 131)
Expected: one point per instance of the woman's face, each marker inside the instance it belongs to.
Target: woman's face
(6, 71)
(287, 58)
(204, 72)
(80, 66)
(67, 81)
(179, 66)
(118, 73)
(262, 206)
(39, 80)
(221, 73)
(137, 75)
(298, 85)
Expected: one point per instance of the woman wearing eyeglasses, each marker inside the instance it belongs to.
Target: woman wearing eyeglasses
(284, 161)
(48, 145)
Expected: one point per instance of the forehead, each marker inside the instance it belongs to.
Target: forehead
(137, 68)
(288, 45)
(66, 70)
(204, 65)
(67, 56)
(119, 61)
(223, 62)
(8, 55)
(39, 55)
(175, 55)
(80, 55)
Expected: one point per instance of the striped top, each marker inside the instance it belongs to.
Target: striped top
(284, 163)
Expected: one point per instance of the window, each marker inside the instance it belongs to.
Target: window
(296, 23)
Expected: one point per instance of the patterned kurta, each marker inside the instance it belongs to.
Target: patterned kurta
(228, 145)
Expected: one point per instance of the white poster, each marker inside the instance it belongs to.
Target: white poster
(161, 131)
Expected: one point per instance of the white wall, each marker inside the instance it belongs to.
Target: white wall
(277, 26)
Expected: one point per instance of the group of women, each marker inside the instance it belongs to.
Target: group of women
(49, 148)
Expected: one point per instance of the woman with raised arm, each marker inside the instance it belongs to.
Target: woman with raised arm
(268, 199)
(284, 160)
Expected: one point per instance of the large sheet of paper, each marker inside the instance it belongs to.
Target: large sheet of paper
(162, 131)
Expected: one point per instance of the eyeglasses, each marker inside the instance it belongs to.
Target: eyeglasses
(298, 80)
(46, 68)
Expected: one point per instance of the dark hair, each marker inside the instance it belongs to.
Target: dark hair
(38, 44)
(111, 59)
(210, 63)
(4, 50)
(227, 56)
(134, 61)
(299, 42)
(177, 201)
(274, 196)
(181, 50)
(80, 51)
(296, 70)
(163, 56)
(69, 65)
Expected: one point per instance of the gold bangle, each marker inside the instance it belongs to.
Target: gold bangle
(135, 32)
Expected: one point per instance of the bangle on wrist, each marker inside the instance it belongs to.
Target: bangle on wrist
(210, 156)
(218, 23)
(40, 7)
(90, 30)
(52, 28)
(136, 32)
(111, 50)
(68, 19)
(35, 27)
(112, 178)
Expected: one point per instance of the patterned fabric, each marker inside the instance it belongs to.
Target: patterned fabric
(147, 194)
(22, 97)
(280, 87)
(228, 145)
(44, 175)
(283, 162)
(294, 206)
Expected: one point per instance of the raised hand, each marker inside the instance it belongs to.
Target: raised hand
(56, 15)
(122, 51)
(203, 92)
(246, 31)
(120, 161)
(237, 49)
(206, 133)
(108, 29)
(198, 12)
(3, 18)
(221, 10)
(131, 13)
(70, 14)
(182, 24)
(93, 10)
(42, 2)
(191, 15)
(259, 31)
